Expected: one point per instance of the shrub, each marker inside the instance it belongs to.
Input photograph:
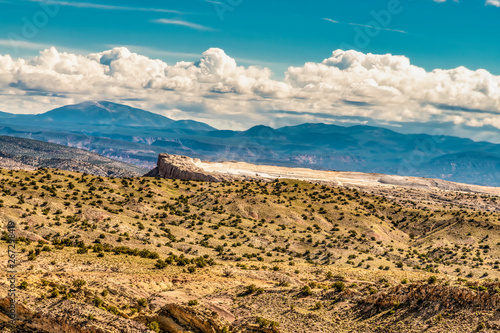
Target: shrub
(97, 302)
(113, 310)
(79, 283)
(227, 272)
(82, 250)
(250, 289)
(160, 264)
(23, 285)
(339, 286)
(142, 302)
(154, 326)
(193, 302)
(306, 291)
(432, 280)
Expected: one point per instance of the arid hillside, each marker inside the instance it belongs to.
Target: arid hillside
(101, 254)
(27, 154)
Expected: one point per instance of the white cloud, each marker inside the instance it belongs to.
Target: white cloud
(182, 23)
(495, 3)
(215, 89)
(367, 26)
(21, 44)
(330, 20)
(78, 4)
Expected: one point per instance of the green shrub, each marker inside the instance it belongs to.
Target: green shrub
(154, 326)
(97, 302)
(339, 286)
(79, 283)
(306, 291)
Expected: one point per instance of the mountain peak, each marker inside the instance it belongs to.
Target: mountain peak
(105, 113)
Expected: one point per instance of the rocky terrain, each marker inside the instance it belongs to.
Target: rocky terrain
(26, 154)
(145, 254)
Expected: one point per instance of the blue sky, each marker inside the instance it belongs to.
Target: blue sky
(276, 33)
(414, 66)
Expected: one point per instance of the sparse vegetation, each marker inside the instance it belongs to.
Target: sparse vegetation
(308, 249)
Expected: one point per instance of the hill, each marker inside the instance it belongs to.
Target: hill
(18, 153)
(249, 256)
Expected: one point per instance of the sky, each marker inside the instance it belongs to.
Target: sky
(414, 66)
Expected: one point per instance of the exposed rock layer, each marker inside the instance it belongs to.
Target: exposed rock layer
(181, 167)
(187, 168)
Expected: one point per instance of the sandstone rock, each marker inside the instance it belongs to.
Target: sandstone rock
(65, 316)
(180, 167)
(176, 318)
(447, 296)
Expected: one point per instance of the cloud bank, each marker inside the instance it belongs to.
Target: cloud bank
(348, 85)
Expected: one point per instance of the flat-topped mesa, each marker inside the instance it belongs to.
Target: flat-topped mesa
(187, 168)
(181, 167)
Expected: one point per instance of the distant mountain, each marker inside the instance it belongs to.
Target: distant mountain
(19, 153)
(6, 115)
(103, 114)
(137, 136)
(191, 125)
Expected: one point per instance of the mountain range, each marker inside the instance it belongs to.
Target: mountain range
(137, 136)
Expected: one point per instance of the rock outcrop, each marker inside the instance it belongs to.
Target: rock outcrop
(66, 316)
(181, 167)
(450, 297)
(176, 318)
(187, 168)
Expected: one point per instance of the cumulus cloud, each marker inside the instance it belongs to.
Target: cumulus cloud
(215, 89)
(495, 3)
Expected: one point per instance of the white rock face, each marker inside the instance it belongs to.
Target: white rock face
(187, 168)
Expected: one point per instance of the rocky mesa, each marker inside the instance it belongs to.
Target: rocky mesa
(187, 168)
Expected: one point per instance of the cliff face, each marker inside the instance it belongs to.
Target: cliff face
(69, 317)
(181, 167)
(450, 297)
(175, 318)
